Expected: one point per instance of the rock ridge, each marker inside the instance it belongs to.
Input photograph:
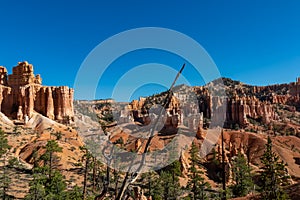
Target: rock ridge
(22, 94)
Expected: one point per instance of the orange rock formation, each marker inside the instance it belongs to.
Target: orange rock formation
(21, 94)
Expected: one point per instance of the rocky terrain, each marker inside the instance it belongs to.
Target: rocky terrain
(32, 114)
(244, 103)
(249, 114)
(21, 94)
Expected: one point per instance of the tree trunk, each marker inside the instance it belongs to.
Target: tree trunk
(50, 166)
(94, 173)
(106, 185)
(85, 176)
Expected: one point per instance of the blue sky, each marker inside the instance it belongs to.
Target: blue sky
(256, 42)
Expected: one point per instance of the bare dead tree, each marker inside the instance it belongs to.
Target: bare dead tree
(85, 174)
(107, 177)
(131, 177)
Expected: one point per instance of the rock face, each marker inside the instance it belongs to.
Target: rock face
(240, 109)
(3, 75)
(21, 94)
(23, 75)
(244, 103)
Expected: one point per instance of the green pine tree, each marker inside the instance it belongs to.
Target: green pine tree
(56, 186)
(171, 173)
(37, 190)
(75, 193)
(148, 180)
(196, 183)
(48, 182)
(4, 177)
(4, 147)
(273, 175)
(49, 157)
(166, 186)
(241, 176)
(170, 185)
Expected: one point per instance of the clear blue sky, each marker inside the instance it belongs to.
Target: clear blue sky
(256, 42)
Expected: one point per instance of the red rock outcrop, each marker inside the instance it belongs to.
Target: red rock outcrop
(140, 113)
(3, 75)
(255, 102)
(23, 75)
(239, 109)
(245, 104)
(295, 88)
(21, 94)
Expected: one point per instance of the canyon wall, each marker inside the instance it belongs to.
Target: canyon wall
(21, 94)
(243, 103)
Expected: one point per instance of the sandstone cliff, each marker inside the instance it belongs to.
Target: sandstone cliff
(242, 103)
(21, 94)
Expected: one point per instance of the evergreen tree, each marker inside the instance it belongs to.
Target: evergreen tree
(148, 180)
(170, 185)
(37, 190)
(154, 185)
(93, 172)
(56, 186)
(87, 156)
(170, 174)
(49, 157)
(4, 177)
(196, 183)
(273, 175)
(166, 186)
(48, 182)
(75, 193)
(3, 143)
(241, 176)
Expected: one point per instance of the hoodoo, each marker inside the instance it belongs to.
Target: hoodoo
(22, 94)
